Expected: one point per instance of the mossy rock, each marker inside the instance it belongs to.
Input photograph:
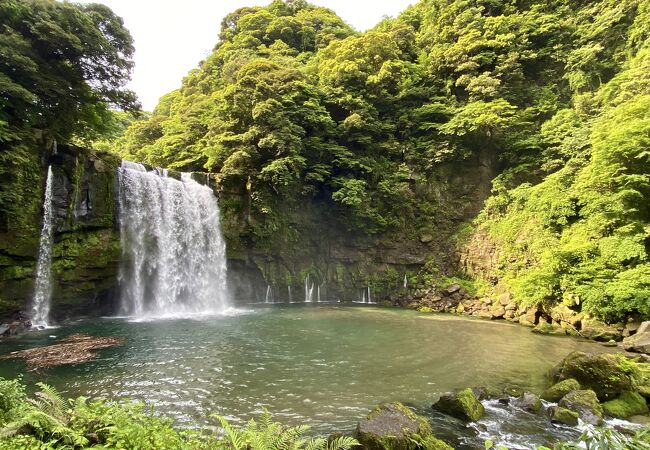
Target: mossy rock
(559, 390)
(585, 403)
(626, 405)
(462, 405)
(393, 426)
(557, 414)
(607, 374)
(528, 402)
(644, 390)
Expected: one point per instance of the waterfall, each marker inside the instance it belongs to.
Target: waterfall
(173, 254)
(309, 290)
(406, 282)
(269, 294)
(318, 294)
(43, 287)
(289, 290)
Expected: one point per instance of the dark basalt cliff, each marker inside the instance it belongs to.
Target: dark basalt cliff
(86, 248)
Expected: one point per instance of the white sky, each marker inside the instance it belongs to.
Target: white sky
(172, 36)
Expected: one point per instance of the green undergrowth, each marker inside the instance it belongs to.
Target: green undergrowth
(48, 421)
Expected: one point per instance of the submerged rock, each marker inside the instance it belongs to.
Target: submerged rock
(393, 426)
(557, 414)
(462, 405)
(528, 402)
(585, 403)
(609, 375)
(626, 405)
(559, 390)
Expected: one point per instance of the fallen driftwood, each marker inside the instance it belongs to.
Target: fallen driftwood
(74, 349)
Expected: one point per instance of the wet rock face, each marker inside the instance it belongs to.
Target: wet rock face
(585, 403)
(392, 426)
(86, 248)
(528, 402)
(564, 416)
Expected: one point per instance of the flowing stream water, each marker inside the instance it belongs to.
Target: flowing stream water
(315, 363)
(43, 284)
(173, 254)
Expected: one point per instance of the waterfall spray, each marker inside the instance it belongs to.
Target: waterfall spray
(173, 254)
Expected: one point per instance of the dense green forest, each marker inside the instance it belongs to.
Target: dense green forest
(295, 106)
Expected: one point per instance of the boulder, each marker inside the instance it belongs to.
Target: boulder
(559, 390)
(505, 299)
(644, 327)
(497, 312)
(599, 331)
(564, 416)
(394, 426)
(462, 405)
(639, 342)
(607, 374)
(565, 315)
(452, 289)
(529, 317)
(626, 405)
(585, 403)
(528, 402)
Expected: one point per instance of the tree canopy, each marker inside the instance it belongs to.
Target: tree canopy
(62, 66)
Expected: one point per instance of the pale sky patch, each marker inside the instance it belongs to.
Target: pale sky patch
(173, 36)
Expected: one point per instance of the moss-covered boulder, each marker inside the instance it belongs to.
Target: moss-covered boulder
(626, 405)
(462, 405)
(393, 426)
(608, 374)
(585, 403)
(528, 402)
(564, 416)
(559, 390)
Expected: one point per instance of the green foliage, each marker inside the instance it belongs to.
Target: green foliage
(269, 435)
(293, 108)
(47, 421)
(609, 439)
(62, 64)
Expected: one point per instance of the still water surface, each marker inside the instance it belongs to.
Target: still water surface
(325, 365)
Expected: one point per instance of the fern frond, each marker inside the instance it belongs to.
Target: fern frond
(342, 443)
(317, 444)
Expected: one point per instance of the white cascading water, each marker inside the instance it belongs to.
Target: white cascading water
(268, 298)
(173, 254)
(309, 290)
(43, 285)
